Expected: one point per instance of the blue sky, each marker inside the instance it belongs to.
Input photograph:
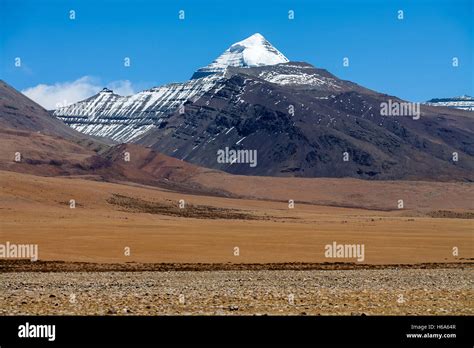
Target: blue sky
(409, 58)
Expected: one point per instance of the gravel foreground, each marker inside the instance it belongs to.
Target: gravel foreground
(252, 292)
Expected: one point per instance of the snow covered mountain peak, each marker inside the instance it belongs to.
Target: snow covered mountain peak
(251, 52)
(254, 40)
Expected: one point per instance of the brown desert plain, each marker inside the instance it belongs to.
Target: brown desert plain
(111, 216)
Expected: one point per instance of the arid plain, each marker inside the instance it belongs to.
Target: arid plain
(184, 260)
(108, 217)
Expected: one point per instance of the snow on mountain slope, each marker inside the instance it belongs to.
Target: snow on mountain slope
(124, 119)
(299, 75)
(464, 102)
(251, 52)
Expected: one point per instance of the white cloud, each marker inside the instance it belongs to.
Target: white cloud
(64, 93)
(122, 87)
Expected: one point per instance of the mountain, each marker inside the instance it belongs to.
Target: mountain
(300, 120)
(47, 147)
(128, 118)
(251, 52)
(55, 156)
(330, 117)
(45, 144)
(19, 112)
(464, 102)
(125, 119)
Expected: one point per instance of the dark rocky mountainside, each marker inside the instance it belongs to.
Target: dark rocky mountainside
(19, 112)
(302, 120)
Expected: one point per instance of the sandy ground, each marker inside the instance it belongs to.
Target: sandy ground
(315, 292)
(418, 196)
(36, 210)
